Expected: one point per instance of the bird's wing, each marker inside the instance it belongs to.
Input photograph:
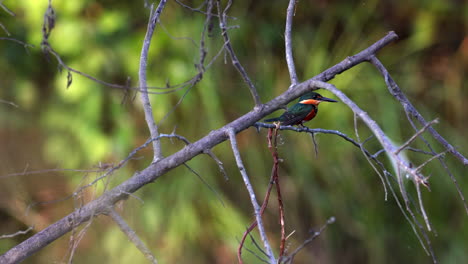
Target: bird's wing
(272, 119)
(291, 118)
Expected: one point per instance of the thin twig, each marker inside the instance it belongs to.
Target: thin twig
(272, 145)
(218, 162)
(430, 159)
(361, 147)
(257, 245)
(413, 137)
(421, 206)
(314, 235)
(132, 236)
(206, 183)
(153, 128)
(232, 54)
(9, 103)
(21, 232)
(6, 8)
(444, 165)
(409, 108)
(24, 44)
(312, 136)
(5, 29)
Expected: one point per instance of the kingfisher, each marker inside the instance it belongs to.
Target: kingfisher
(306, 109)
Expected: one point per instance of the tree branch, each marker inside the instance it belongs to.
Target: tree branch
(288, 42)
(409, 108)
(232, 137)
(17, 233)
(153, 128)
(232, 54)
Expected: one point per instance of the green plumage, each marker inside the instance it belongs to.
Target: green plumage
(301, 112)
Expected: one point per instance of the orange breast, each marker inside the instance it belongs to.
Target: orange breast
(310, 115)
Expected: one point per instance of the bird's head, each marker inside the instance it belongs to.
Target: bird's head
(314, 98)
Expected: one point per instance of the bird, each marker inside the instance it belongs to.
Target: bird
(305, 110)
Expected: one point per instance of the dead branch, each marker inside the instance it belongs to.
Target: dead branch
(410, 109)
(313, 236)
(258, 217)
(232, 54)
(21, 232)
(153, 128)
(288, 42)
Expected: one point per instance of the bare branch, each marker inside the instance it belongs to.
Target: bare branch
(421, 206)
(273, 146)
(153, 128)
(21, 232)
(220, 199)
(402, 166)
(314, 235)
(6, 8)
(257, 246)
(417, 134)
(430, 159)
(5, 29)
(218, 162)
(232, 54)
(288, 42)
(386, 143)
(132, 236)
(409, 108)
(24, 44)
(8, 102)
(232, 137)
(361, 146)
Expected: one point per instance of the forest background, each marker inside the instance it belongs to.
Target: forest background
(45, 125)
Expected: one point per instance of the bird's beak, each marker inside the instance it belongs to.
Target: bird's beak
(317, 101)
(325, 99)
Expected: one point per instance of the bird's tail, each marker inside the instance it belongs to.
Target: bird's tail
(272, 119)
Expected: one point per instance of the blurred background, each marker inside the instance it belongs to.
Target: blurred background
(89, 126)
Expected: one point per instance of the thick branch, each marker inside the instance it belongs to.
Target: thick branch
(386, 143)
